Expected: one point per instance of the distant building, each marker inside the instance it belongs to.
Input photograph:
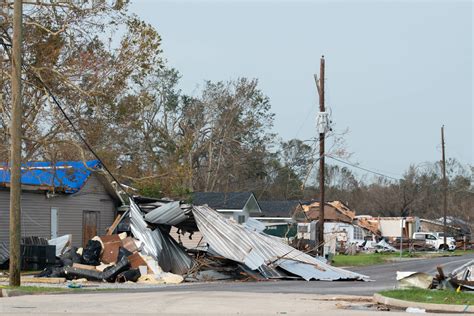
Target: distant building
(427, 225)
(333, 211)
(276, 215)
(392, 227)
(237, 205)
(67, 197)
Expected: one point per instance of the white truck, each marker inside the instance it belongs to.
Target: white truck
(436, 239)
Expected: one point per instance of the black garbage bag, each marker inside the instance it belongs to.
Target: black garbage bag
(91, 253)
(72, 273)
(129, 275)
(110, 273)
(45, 273)
(70, 257)
(123, 253)
(67, 262)
(51, 272)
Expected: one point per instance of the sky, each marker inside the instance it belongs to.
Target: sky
(396, 71)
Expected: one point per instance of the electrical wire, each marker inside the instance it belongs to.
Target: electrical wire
(362, 168)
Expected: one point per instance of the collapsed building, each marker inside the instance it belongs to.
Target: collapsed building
(148, 253)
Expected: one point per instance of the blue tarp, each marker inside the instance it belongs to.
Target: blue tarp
(64, 176)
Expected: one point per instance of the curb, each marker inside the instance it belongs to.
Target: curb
(428, 306)
(11, 293)
(19, 292)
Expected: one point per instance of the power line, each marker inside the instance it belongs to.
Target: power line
(362, 168)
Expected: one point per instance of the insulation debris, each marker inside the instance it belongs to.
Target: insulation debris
(62, 244)
(414, 279)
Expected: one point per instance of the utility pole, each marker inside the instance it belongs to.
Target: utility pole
(15, 159)
(445, 187)
(322, 134)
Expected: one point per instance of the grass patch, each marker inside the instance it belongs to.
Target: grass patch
(365, 259)
(431, 296)
(361, 259)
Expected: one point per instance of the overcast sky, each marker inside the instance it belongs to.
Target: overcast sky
(395, 71)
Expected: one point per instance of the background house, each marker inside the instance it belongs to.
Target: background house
(68, 197)
(391, 227)
(333, 211)
(276, 216)
(427, 225)
(237, 205)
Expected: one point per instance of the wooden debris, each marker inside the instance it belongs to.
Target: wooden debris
(84, 266)
(114, 225)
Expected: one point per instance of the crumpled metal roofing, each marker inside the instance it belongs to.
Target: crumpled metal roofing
(169, 214)
(158, 245)
(464, 272)
(234, 242)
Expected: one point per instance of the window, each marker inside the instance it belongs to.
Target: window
(241, 219)
(303, 228)
(420, 236)
(358, 233)
(431, 237)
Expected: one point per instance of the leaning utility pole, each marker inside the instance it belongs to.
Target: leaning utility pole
(445, 187)
(15, 154)
(322, 135)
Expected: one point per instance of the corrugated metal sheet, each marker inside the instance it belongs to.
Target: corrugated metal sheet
(169, 214)
(159, 245)
(255, 225)
(234, 242)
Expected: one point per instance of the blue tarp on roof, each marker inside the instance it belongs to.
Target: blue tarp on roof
(65, 176)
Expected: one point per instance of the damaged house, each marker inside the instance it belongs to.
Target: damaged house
(341, 227)
(66, 197)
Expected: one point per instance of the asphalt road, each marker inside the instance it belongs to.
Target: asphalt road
(383, 276)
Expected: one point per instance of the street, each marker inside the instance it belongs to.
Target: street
(232, 298)
(384, 277)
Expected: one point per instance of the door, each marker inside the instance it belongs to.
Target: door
(90, 223)
(54, 222)
(431, 240)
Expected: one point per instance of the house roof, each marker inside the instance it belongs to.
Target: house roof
(222, 200)
(62, 176)
(311, 211)
(278, 208)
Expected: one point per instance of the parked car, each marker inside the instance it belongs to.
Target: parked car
(436, 239)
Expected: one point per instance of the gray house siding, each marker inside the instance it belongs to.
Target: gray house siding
(36, 211)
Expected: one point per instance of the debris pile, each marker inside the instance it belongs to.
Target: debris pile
(110, 258)
(150, 254)
(461, 278)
